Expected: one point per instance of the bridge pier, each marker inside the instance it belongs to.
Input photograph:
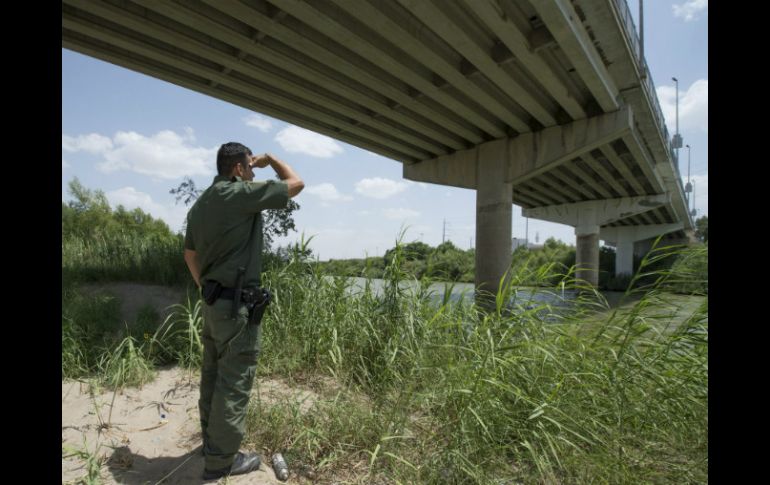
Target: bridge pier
(587, 254)
(588, 217)
(623, 238)
(624, 256)
(494, 212)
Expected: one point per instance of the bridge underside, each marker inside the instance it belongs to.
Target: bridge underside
(535, 103)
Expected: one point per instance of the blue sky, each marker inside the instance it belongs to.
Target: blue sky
(136, 137)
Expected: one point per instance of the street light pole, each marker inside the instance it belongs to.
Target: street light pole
(693, 211)
(677, 141)
(688, 187)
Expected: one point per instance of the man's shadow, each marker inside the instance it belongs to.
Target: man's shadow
(133, 469)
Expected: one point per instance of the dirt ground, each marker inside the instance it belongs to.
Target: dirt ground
(151, 435)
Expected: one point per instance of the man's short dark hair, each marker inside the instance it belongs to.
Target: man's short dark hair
(229, 155)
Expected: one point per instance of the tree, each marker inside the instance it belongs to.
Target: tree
(276, 222)
(702, 228)
(186, 191)
(90, 215)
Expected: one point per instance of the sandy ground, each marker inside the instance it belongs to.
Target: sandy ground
(151, 434)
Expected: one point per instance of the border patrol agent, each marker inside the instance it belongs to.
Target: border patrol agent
(223, 246)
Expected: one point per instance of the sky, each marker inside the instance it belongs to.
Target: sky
(136, 137)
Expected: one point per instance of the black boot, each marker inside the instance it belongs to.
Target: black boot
(243, 463)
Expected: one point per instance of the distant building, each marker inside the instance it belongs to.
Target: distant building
(517, 242)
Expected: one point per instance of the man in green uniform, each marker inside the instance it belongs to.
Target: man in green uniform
(223, 246)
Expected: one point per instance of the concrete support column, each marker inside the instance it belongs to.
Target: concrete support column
(624, 256)
(494, 211)
(587, 249)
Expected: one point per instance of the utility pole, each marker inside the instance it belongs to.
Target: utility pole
(443, 232)
(526, 233)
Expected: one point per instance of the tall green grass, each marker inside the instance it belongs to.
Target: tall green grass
(459, 396)
(98, 346)
(437, 393)
(125, 257)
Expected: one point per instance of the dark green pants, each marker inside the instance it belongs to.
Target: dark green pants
(230, 350)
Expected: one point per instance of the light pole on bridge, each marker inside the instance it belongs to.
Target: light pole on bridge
(688, 187)
(677, 140)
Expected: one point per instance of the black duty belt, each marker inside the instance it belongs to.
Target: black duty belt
(248, 295)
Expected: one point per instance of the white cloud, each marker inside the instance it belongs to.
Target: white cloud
(399, 214)
(327, 192)
(379, 188)
(693, 107)
(91, 143)
(165, 155)
(690, 9)
(294, 139)
(64, 164)
(130, 198)
(259, 122)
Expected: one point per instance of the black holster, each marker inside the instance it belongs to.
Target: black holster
(256, 302)
(210, 291)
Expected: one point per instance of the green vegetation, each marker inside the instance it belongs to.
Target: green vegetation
(101, 244)
(702, 231)
(427, 394)
(415, 392)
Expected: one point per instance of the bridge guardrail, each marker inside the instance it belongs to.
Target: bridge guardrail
(629, 30)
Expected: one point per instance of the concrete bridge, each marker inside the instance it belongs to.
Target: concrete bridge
(546, 104)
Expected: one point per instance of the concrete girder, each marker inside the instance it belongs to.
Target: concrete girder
(572, 182)
(564, 24)
(542, 199)
(673, 184)
(589, 181)
(553, 192)
(637, 233)
(417, 48)
(623, 238)
(621, 167)
(562, 187)
(534, 153)
(645, 161)
(457, 169)
(369, 75)
(492, 15)
(203, 87)
(605, 174)
(392, 63)
(307, 97)
(293, 67)
(589, 215)
(529, 154)
(440, 22)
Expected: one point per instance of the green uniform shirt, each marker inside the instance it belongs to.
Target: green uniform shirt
(219, 223)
